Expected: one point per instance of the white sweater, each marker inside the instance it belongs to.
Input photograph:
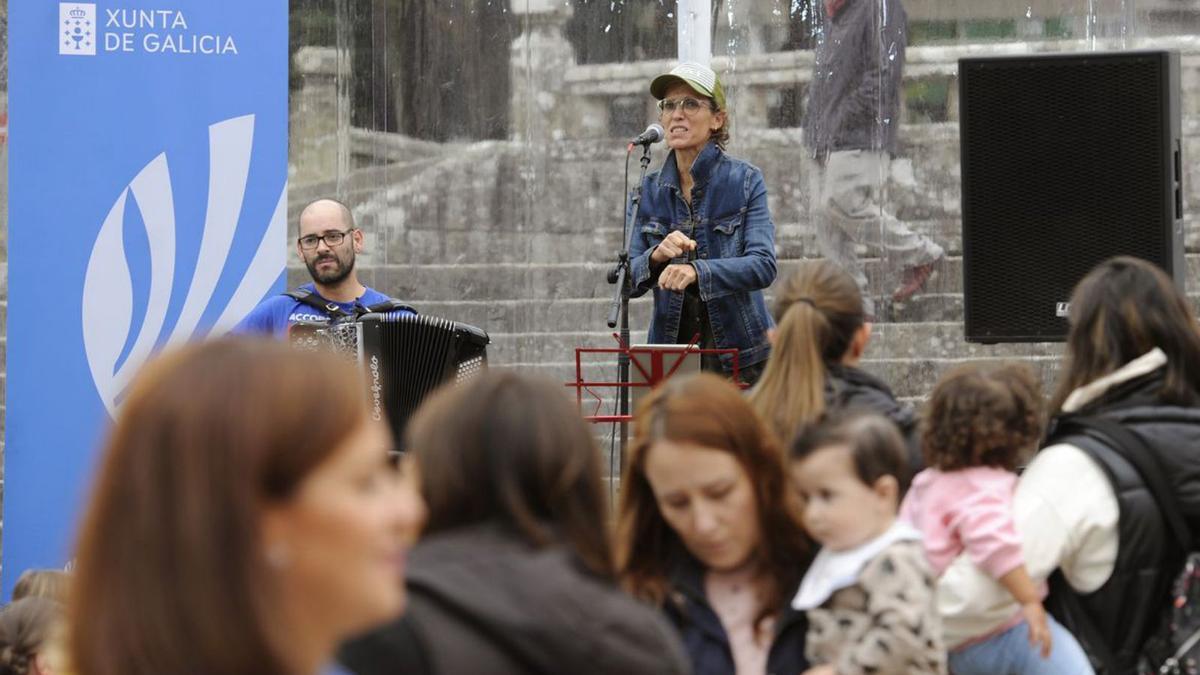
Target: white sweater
(1066, 513)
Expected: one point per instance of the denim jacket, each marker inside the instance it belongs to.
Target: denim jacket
(734, 257)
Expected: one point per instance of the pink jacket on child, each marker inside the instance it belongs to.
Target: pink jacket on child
(968, 509)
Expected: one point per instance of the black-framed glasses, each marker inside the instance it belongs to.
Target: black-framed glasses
(331, 239)
(690, 106)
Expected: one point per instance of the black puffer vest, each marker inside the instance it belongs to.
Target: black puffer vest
(1128, 606)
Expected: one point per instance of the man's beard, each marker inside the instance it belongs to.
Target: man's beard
(332, 276)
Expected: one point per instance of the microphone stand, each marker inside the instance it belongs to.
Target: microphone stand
(618, 313)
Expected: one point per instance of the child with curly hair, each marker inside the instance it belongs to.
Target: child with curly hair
(979, 424)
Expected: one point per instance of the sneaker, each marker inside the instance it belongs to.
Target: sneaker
(913, 280)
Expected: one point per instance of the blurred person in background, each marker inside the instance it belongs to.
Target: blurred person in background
(514, 572)
(709, 529)
(26, 630)
(50, 584)
(850, 124)
(704, 241)
(245, 519)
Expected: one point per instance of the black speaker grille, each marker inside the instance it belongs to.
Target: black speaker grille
(1065, 162)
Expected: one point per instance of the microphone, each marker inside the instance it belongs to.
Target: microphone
(653, 134)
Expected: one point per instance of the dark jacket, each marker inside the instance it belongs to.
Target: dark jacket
(735, 254)
(705, 639)
(854, 96)
(850, 387)
(1126, 608)
(482, 601)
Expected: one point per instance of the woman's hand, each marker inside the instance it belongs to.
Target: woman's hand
(821, 670)
(674, 245)
(1039, 628)
(677, 277)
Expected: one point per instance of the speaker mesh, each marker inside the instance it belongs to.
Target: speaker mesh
(1066, 161)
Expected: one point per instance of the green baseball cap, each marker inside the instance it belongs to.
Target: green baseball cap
(699, 77)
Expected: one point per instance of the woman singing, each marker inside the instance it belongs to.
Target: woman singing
(704, 240)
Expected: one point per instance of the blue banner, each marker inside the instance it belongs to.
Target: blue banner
(148, 169)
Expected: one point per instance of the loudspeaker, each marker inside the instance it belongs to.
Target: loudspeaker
(1067, 160)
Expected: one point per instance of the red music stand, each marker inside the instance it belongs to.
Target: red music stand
(664, 361)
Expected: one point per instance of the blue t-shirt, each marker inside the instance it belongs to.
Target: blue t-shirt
(276, 314)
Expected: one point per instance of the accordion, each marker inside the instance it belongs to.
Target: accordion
(405, 357)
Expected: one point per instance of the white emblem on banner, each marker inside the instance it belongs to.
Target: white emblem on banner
(77, 28)
(108, 293)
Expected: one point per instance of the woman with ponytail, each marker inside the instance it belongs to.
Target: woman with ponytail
(820, 336)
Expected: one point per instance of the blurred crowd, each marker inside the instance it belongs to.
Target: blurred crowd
(248, 516)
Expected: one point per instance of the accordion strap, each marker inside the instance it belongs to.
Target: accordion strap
(307, 297)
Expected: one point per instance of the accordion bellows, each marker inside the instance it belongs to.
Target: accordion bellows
(405, 358)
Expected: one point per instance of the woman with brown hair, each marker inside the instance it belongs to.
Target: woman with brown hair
(514, 572)
(26, 627)
(244, 519)
(37, 583)
(710, 531)
(1087, 504)
(820, 336)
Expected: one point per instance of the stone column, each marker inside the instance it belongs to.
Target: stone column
(541, 56)
(318, 110)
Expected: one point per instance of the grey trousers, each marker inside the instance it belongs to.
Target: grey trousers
(848, 212)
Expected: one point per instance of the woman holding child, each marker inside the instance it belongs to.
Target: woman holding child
(709, 530)
(1133, 358)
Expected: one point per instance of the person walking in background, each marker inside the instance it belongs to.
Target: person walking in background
(850, 125)
(245, 518)
(1133, 360)
(709, 530)
(869, 594)
(821, 335)
(514, 572)
(979, 426)
(704, 241)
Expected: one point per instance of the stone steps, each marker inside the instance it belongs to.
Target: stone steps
(541, 282)
(599, 243)
(910, 378)
(889, 342)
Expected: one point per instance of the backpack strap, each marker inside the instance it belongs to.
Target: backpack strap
(307, 297)
(1132, 447)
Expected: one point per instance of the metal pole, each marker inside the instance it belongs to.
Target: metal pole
(695, 30)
